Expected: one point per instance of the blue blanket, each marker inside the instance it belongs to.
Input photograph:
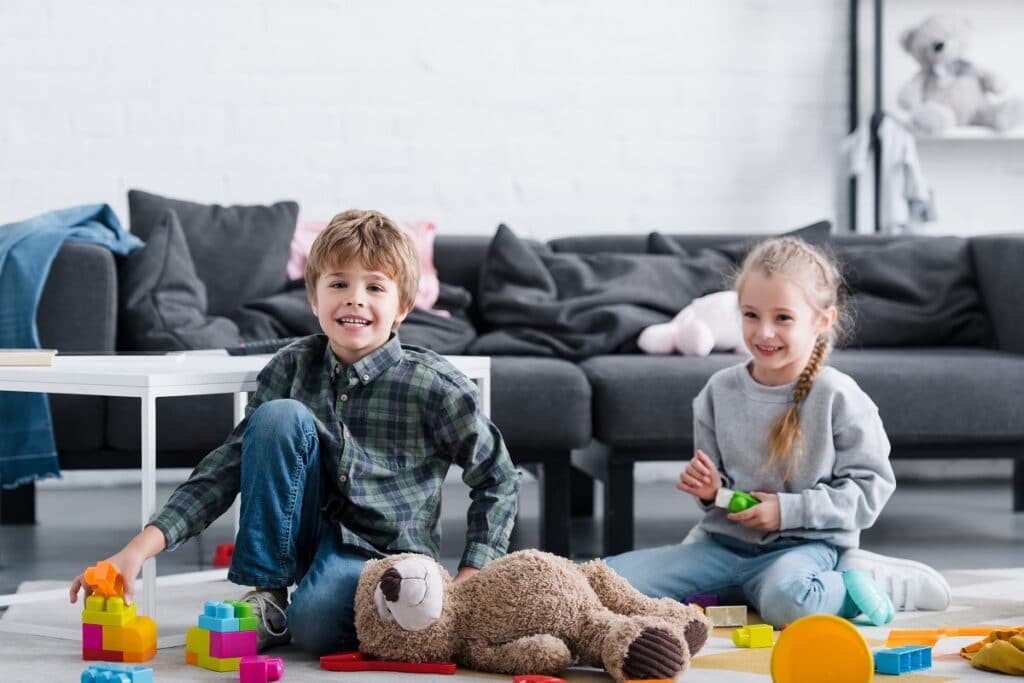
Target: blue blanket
(27, 248)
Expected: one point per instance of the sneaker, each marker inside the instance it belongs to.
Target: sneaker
(272, 630)
(910, 585)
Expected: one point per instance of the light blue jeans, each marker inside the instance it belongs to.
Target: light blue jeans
(283, 537)
(783, 580)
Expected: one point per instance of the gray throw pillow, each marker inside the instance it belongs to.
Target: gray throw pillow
(162, 301)
(818, 234)
(921, 291)
(240, 252)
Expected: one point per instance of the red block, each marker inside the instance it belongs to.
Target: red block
(222, 556)
(91, 655)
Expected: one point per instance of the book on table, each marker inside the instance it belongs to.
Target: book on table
(10, 357)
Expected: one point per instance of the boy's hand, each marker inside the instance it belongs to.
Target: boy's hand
(465, 573)
(765, 516)
(700, 478)
(128, 561)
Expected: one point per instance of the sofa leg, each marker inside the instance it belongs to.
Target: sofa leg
(555, 505)
(18, 505)
(618, 508)
(1018, 484)
(582, 488)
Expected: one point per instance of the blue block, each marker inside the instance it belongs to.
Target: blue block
(219, 616)
(901, 660)
(117, 673)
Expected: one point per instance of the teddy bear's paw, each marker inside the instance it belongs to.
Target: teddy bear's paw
(696, 633)
(542, 653)
(654, 654)
(657, 339)
(932, 118)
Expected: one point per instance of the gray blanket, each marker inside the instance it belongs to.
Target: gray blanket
(579, 305)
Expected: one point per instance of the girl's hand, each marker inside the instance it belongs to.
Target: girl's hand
(765, 516)
(700, 478)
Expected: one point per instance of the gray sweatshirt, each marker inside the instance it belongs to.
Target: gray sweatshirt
(837, 487)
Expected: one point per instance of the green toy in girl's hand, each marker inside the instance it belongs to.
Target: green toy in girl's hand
(734, 501)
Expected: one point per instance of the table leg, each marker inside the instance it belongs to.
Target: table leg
(241, 398)
(148, 443)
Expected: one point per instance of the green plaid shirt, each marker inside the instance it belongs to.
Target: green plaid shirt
(389, 427)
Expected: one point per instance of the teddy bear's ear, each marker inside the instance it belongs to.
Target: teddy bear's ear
(907, 39)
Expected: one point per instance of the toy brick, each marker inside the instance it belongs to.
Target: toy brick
(232, 644)
(107, 611)
(222, 556)
(119, 673)
(191, 658)
(901, 660)
(260, 669)
(104, 579)
(91, 655)
(139, 635)
(243, 612)
(757, 635)
(702, 599)
(727, 615)
(217, 663)
(143, 656)
(92, 637)
(197, 640)
(218, 616)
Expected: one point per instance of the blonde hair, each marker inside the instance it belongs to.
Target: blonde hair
(372, 240)
(819, 278)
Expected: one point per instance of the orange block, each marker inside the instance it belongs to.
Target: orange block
(191, 658)
(140, 656)
(104, 579)
(137, 636)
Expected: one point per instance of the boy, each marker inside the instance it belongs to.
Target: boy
(341, 457)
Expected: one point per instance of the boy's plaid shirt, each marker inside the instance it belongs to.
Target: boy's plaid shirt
(388, 427)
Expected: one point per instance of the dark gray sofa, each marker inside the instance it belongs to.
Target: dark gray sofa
(603, 413)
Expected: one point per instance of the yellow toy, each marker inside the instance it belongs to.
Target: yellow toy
(756, 635)
(821, 644)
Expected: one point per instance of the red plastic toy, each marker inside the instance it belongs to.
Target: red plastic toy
(536, 678)
(222, 556)
(356, 661)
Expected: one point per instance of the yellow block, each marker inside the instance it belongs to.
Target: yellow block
(107, 611)
(197, 640)
(139, 635)
(219, 664)
(755, 635)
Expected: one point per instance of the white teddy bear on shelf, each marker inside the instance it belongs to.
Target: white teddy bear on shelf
(949, 90)
(709, 323)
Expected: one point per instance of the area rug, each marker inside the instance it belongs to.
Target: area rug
(993, 597)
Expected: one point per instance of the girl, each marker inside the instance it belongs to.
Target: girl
(805, 440)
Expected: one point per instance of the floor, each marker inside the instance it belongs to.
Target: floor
(960, 524)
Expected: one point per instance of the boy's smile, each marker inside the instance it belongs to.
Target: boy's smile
(358, 309)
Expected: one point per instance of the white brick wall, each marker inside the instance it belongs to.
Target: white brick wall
(557, 117)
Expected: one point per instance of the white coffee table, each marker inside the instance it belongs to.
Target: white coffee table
(149, 378)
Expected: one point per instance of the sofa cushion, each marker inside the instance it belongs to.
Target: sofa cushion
(925, 396)
(540, 403)
(240, 252)
(818, 233)
(162, 301)
(921, 291)
(575, 306)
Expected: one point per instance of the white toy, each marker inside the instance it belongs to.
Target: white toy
(709, 323)
(950, 90)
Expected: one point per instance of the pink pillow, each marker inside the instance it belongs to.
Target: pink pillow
(422, 234)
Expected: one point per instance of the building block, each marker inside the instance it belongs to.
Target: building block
(232, 644)
(104, 579)
(107, 611)
(536, 678)
(117, 673)
(901, 660)
(218, 616)
(197, 640)
(191, 657)
(218, 663)
(756, 635)
(92, 636)
(243, 612)
(136, 636)
(357, 661)
(91, 655)
(260, 669)
(222, 555)
(702, 599)
(727, 615)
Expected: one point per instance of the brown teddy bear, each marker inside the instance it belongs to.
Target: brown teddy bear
(529, 612)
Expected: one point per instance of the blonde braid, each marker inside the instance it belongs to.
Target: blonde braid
(786, 438)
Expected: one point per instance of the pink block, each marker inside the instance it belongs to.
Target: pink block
(92, 637)
(232, 644)
(260, 669)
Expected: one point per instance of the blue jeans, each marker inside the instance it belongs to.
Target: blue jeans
(283, 537)
(783, 580)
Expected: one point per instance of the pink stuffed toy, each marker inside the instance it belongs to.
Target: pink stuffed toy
(709, 323)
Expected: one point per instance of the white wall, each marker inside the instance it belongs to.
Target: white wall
(561, 117)
(977, 182)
